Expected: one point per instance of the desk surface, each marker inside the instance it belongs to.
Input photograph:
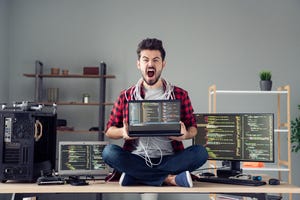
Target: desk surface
(101, 187)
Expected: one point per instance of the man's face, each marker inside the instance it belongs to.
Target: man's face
(150, 64)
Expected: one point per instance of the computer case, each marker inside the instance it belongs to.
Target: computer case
(27, 142)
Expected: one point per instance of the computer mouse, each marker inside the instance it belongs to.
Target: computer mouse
(274, 181)
(207, 174)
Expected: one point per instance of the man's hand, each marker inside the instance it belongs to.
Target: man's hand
(118, 133)
(183, 131)
(189, 133)
(125, 131)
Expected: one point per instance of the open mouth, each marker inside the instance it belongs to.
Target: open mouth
(150, 72)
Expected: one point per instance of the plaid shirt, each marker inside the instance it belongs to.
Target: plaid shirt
(120, 112)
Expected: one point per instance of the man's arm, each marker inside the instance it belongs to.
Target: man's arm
(191, 132)
(114, 132)
(116, 126)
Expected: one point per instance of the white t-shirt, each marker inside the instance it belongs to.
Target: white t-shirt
(153, 147)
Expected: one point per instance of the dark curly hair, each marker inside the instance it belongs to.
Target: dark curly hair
(151, 44)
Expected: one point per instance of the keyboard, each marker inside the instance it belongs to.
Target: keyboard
(232, 181)
(50, 180)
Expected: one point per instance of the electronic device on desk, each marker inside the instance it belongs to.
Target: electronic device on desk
(76, 181)
(236, 137)
(27, 140)
(81, 159)
(274, 181)
(207, 174)
(50, 179)
(232, 181)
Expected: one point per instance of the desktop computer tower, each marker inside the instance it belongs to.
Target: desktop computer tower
(27, 141)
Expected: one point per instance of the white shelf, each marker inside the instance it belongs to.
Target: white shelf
(268, 167)
(247, 92)
(281, 130)
(274, 168)
(280, 166)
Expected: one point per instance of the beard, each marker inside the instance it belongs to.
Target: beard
(151, 82)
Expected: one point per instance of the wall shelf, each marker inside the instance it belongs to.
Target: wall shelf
(39, 85)
(73, 103)
(68, 76)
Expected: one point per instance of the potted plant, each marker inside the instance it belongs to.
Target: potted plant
(265, 80)
(295, 137)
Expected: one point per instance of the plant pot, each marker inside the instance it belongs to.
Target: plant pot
(265, 85)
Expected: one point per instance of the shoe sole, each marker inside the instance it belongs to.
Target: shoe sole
(189, 178)
(121, 179)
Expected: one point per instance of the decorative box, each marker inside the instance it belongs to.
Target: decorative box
(91, 70)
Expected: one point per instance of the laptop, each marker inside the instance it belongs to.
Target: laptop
(150, 118)
(82, 159)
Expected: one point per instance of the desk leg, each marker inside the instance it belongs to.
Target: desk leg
(13, 196)
(98, 196)
(261, 196)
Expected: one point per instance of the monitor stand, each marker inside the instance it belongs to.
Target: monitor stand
(229, 169)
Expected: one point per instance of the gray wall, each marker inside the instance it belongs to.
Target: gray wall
(4, 51)
(208, 42)
(4, 58)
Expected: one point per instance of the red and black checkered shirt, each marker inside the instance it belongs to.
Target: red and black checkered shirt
(120, 112)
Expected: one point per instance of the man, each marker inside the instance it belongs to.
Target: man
(153, 161)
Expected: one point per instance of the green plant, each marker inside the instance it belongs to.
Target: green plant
(265, 75)
(295, 137)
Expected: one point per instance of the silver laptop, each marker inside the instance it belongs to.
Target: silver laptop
(150, 118)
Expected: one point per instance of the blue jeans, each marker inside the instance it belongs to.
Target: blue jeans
(133, 165)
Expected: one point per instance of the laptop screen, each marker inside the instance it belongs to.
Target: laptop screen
(82, 159)
(154, 117)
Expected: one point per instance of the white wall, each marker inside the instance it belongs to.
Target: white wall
(208, 42)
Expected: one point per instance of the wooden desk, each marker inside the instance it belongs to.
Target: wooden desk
(101, 187)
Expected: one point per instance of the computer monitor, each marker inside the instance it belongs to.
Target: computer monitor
(82, 159)
(236, 137)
